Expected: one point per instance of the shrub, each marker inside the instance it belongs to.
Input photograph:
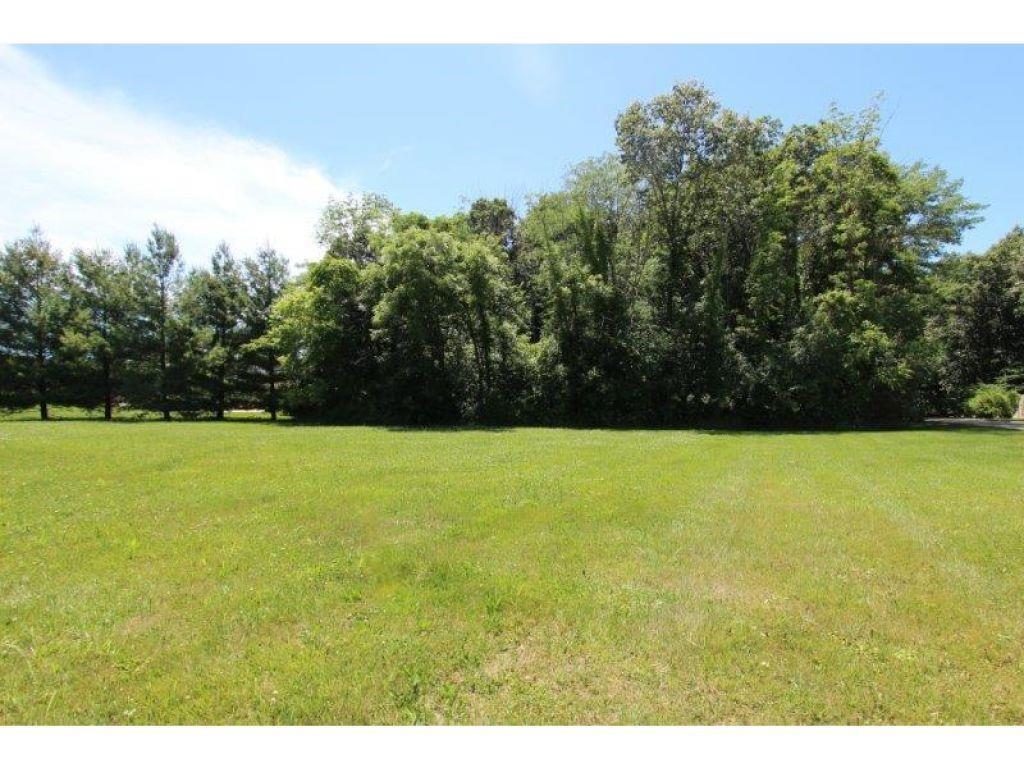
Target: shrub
(992, 401)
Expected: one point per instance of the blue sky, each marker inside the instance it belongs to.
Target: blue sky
(434, 126)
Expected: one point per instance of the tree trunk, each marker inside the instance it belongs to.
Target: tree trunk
(41, 386)
(165, 406)
(273, 392)
(221, 386)
(108, 399)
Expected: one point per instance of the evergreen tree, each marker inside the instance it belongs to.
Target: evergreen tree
(265, 277)
(212, 307)
(33, 308)
(99, 328)
(156, 280)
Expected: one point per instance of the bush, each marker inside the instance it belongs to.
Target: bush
(992, 401)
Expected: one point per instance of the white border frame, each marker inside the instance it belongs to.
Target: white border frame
(522, 21)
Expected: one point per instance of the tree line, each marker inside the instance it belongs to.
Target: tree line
(715, 268)
(105, 329)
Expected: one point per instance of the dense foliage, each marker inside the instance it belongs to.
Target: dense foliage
(992, 401)
(717, 268)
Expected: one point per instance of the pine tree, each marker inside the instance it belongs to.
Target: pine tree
(33, 308)
(265, 277)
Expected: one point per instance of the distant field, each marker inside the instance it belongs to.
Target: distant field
(245, 572)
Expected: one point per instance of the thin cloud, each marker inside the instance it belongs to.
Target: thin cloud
(91, 170)
(391, 156)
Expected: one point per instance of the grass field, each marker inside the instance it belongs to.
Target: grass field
(245, 572)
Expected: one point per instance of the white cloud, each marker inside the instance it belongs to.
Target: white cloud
(91, 170)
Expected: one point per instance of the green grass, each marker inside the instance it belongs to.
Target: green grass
(252, 573)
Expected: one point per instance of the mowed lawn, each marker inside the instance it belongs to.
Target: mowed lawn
(245, 572)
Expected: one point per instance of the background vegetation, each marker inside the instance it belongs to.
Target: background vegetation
(717, 268)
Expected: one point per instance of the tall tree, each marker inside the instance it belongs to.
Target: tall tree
(693, 163)
(321, 324)
(213, 304)
(33, 307)
(416, 325)
(265, 277)
(100, 327)
(156, 277)
(590, 368)
(492, 318)
(865, 231)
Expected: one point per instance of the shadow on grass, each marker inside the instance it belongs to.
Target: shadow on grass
(263, 420)
(849, 430)
(26, 417)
